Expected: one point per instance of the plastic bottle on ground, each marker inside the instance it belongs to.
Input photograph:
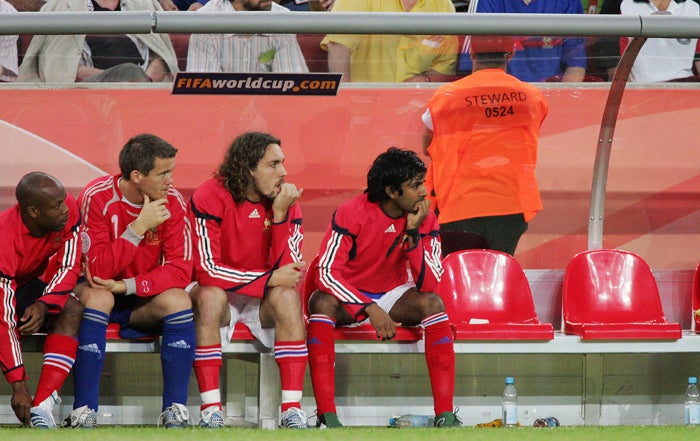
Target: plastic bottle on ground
(509, 404)
(692, 402)
(404, 421)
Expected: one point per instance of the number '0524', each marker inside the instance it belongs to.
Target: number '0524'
(498, 111)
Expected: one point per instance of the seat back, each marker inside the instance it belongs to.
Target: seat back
(696, 300)
(486, 285)
(614, 289)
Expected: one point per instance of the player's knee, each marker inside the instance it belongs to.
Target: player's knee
(322, 303)
(175, 300)
(95, 298)
(207, 298)
(432, 304)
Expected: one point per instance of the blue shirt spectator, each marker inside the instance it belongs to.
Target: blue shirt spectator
(539, 58)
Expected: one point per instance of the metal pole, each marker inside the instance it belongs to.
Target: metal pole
(605, 138)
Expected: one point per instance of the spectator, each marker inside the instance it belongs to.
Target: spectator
(539, 58)
(244, 52)
(8, 49)
(392, 58)
(248, 238)
(137, 240)
(362, 276)
(660, 59)
(307, 5)
(182, 5)
(39, 266)
(27, 5)
(99, 58)
(481, 134)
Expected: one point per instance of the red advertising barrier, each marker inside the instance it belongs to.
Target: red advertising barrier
(329, 141)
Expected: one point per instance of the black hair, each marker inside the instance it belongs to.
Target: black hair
(140, 153)
(391, 169)
(242, 156)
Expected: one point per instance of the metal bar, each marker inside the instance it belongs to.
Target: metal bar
(605, 138)
(348, 22)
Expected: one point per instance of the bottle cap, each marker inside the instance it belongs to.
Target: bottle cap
(509, 380)
(692, 380)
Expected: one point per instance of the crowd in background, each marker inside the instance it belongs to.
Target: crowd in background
(360, 58)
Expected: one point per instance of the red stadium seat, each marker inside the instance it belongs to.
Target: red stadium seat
(488, 297)
(241, 333)
(696, 300)
(361, 332)
(612, 295)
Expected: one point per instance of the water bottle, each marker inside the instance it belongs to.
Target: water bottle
(509, 404)
(692, 402)
(404, 421)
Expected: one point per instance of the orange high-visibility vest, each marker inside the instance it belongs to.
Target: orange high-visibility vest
(484, 148)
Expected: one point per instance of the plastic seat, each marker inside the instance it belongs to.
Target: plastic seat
(612, 295)
(360, 332)
(240, 333)
(696, 300)
(487, 297)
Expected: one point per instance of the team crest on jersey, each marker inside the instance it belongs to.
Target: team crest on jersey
(547, 42)
(151, 237)
(85, 242)
(268, 223)
(390, 229)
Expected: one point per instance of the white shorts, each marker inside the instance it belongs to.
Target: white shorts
(387, 301)
(246, 310)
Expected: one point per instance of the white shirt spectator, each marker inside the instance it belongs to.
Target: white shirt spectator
(8, 48)
(244, 52)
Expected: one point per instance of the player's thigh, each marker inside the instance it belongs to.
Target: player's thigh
(413, 306)
(150, 311)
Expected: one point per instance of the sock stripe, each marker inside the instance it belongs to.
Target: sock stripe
(208, 354)
(321, 318)
(179, 318)
(94, 315)
(434, 319)
(291, 350)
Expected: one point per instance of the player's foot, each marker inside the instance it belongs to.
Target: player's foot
(211, 418)
(328, 420)
(448, 419)
(294, 418)
(176, 416)
(81, 418)
(40, 416)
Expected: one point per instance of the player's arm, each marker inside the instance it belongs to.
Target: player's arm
(335, 252)
(176, 270)
(425, 258)
(287, 238)
(106, 257)
(63, 270)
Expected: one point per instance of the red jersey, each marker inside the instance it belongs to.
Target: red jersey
(237, 246)
(54, 258)
(364, 251)
(161, 260)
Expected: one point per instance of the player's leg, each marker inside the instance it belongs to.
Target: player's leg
(173, 309)
(211, 312)
(92, 336)
(428, 310)
(325, 313)
(59, 350)
(281, 309)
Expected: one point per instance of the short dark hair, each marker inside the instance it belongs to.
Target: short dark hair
(30, 189)
(391, 169)
(140, 153)
(242, 156)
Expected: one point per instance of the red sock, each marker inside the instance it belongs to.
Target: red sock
(291, 358)
(207, 369)
(440, 358)
(59, 356)
(321, 344)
